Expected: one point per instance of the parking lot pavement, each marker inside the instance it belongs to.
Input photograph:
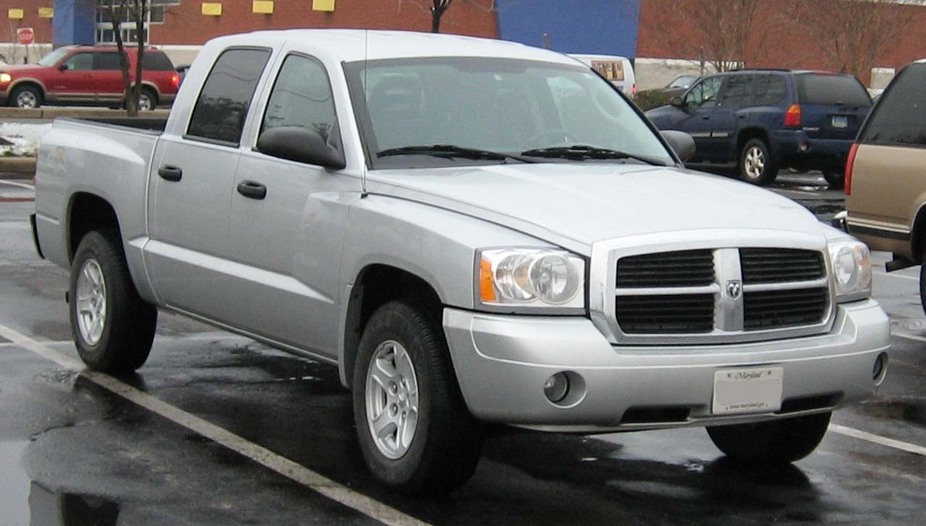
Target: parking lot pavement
(16, 190)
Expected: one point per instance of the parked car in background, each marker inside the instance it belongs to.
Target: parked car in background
(760, 121)
(87, 75)
(679, 85)
(615, 68)
(886, 174)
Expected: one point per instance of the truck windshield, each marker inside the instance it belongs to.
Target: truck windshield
(494, 105)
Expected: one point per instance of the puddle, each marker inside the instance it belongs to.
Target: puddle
(14, 498)
(913, 411)
(24, 502)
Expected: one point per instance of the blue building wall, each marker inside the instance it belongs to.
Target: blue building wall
(607, 27)
(74, 23)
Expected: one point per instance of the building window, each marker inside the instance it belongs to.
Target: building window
(104, 26)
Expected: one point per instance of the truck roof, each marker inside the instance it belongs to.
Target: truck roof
(359, 44)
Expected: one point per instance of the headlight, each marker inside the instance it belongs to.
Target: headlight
(5, 78)
(521, 277)
(851, 269)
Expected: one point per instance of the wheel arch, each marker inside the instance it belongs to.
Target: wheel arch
(88, 212)
(747, 134)
(32, 83)
(376, 285)
(918, 235)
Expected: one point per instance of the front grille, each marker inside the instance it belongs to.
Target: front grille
(721, 292)
(681, 314)
(772, 265)
(774, 309)
(689, 268)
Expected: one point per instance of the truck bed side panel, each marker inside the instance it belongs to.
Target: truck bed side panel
(110, 162)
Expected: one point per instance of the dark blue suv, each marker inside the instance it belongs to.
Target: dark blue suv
(762, 120)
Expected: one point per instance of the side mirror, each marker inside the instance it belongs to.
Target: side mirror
(682, 143)
(63, 67)
(295, 143)
(678, 102)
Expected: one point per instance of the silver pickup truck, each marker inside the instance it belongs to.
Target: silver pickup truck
(472, 231)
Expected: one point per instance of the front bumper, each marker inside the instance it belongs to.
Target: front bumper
(502, 363)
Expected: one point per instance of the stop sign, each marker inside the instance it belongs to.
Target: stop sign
(25, 35)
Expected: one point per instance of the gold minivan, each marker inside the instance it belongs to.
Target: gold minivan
(885, 181)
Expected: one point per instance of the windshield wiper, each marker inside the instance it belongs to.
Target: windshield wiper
(451, 151)
(581, 152)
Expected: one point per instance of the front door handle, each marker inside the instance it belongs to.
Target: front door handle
(252, 190)
(170, 173)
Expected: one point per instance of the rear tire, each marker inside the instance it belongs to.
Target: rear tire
(756, 164)
(413, 427)
(147, 100)
(113, 327)
(772, 442)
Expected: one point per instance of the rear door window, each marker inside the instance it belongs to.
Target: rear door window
(900, 117)
(770, 90)
(738, 90)
(223, 103)
(106, 62)
(831, 89)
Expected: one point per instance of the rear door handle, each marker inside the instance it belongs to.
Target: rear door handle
(252, 190)
(170, 173)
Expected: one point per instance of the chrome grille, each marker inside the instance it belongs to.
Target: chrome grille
(773, 309)
(719, 294)
(775, 265)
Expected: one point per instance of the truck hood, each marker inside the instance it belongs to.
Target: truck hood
(569, 204)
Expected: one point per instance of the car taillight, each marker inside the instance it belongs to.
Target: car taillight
(849, 162)
(793, 116)
(175, 81)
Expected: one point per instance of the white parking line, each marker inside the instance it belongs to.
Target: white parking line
(896, 275)
(263, 456)
(877, 439)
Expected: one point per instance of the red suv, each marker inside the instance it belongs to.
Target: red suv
(87, 75)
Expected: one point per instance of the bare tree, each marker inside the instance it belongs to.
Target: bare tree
(135, 11)
(717, 32)
(853, 34)
(437, 11)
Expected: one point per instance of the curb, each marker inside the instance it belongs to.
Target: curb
(17, 167)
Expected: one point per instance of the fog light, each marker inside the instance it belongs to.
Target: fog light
(556, 387)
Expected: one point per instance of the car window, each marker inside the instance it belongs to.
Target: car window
(301, 96)
(106, 61)
(704, 93)
(770, 90)
(156, 61)
(80, 62)
(900, 117)
(223, 103)
(818, 88)
(738, 90)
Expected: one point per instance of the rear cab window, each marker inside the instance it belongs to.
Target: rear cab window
(223, 103)
(900, 117)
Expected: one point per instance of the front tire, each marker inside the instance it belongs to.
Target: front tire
(413, 427)
(26, 97)
(773, 442)
(113, 327)
(755, 164)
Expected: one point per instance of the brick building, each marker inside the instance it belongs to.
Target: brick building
(665, 37)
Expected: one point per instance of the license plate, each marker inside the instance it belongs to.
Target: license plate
(840, 121)
(752, 390)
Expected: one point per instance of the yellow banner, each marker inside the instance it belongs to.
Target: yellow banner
(212, 9)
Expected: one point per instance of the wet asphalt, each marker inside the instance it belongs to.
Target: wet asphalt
(222, 430)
